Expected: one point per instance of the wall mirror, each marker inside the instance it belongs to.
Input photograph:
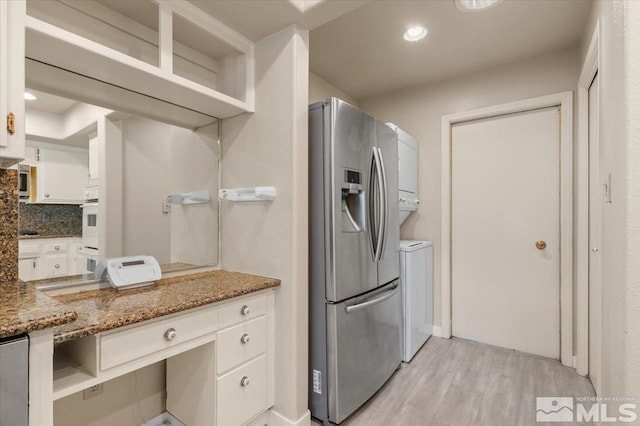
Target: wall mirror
(114, 183)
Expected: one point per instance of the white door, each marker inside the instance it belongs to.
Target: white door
(595, 235)
(505, 183)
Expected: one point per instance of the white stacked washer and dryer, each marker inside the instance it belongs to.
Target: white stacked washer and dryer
(416, 257)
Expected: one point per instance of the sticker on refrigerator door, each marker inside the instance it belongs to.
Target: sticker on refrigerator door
(317, 382)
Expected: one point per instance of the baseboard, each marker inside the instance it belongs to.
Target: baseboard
(437, 331)
(277, 419)
(163, 419)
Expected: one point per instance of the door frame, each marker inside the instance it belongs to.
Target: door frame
(590, 68)
(564, 100)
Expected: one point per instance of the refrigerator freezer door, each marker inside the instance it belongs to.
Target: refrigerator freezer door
(351, 139)
(363, 347)
(388, 265)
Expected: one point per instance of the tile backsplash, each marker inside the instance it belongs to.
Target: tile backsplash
(51, 219)
(8, 225)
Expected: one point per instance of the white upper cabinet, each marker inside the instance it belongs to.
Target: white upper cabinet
(170, 51)
(12, 15)
(62, 173)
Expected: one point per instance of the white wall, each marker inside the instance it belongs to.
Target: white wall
(320, 89)
(271, 238)
(158, 160)
(79, 118)
(619, 78)
(43, 124)
(194, 167)
(418, 111)
(147, 179)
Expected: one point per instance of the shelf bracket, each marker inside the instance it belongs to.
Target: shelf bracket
(259, 193)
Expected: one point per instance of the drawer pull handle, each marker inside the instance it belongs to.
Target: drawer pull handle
(57, 266)
(57, 247)
(245, 381)
(170, 334)
(245, 310)
(245, 338)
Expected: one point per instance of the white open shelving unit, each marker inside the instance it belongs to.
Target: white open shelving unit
(162, 50)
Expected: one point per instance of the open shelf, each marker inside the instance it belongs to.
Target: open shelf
(212, 75)
(69, 377)
(75, 366)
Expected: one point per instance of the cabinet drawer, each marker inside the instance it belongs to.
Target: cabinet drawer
(237, 403)
(26, 250)
(56, 265)
(240, 343)
(123, 346)
(242, 310)
(59, 247)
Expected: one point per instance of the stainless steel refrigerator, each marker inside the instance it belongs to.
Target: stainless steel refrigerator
(354, 295)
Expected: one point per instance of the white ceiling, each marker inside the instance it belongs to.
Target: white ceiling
(49, 103)
(363, 52)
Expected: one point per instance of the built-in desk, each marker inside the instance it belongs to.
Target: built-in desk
(215, 329)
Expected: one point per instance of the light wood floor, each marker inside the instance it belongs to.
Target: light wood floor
(457, 382)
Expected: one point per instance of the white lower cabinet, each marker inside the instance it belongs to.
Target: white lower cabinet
(119, 347)
(47, 258)
(239, 366)
(219, 360)
(55, 265)
(241, 343)
(27, 268)
(242, 393)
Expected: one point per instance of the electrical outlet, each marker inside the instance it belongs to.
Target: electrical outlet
(94, 390)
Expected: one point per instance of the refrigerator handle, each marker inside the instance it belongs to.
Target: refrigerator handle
(372, 204)
(381, 204)
(385, 205)
(364, 305)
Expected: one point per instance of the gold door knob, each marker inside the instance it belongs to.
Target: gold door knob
(541, 245)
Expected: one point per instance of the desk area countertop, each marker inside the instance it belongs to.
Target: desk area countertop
(25, 309)
(106, 309)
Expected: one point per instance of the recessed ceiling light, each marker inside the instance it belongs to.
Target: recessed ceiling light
(475, 5)
(415, 33)
(30, 96)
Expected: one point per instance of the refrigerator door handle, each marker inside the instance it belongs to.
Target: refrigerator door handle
(372, 205)
(385, 205)
(364, 305)
(380, 205)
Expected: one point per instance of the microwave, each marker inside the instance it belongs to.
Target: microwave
(24, 181)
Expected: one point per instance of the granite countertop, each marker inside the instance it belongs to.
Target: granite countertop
(106, 309)
(24, 309)
(39, 236)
